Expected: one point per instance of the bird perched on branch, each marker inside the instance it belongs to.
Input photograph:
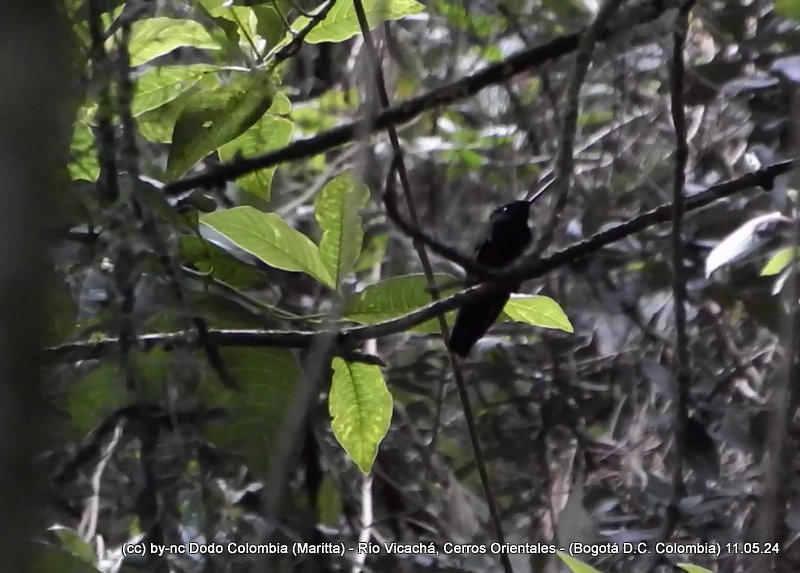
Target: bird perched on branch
(505, 238)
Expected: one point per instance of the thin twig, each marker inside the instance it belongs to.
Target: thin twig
(564, 161)
(399, 165)
(294, 46)
(680, 278)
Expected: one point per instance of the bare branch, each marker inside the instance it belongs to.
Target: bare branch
(680, 278)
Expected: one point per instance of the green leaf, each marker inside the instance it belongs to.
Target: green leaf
(689, 568)
(268, 238)
(779, 261)
(212, 118)
(84, 164)
(270, 24)
(337, 211)
(208, 258)
(281, 104)
(395, 297)
(341, 22)
(360, 406)
(541, 311)
(72, 542)
(155, 37)
(574, 565)
(160, 85)
(788, 9)
(373, 252)
(255, 416)
(268, 133)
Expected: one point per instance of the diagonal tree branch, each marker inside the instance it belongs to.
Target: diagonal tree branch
(408, 110)
(348, 337)
(294, 46)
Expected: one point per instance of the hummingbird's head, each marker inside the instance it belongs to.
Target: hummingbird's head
(514, 211)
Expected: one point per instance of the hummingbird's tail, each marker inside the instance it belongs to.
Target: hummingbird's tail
(473, 320)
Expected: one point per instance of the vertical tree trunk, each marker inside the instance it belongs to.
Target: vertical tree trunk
(34, 131)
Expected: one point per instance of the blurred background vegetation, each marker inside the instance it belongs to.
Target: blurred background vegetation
(206, 372)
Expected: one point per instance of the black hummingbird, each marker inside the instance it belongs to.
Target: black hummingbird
(505, 238)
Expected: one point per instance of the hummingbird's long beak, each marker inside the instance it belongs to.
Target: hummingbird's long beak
(538, 194)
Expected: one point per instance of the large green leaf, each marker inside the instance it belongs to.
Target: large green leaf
(212, 118)
(267, 237)
(155, 37)
(256, 415)
(575, 565)
(337, 211)
(360, 406)
(270, 132)
(395, 297)
(160, 85)
(158, 124)
(541, 311)
(341, 22)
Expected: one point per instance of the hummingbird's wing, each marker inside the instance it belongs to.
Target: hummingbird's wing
(473, 320)
(496, 249)
(503, 240)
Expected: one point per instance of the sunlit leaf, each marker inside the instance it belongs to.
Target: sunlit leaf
(270, 132)
(341, 22)
(155, 37)
(337, 211)
(779, 261)
(360, 406)
(84, 164)
(160, 85)
(268, 238)
(541, 311)
(212, 118)
(395, 297)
